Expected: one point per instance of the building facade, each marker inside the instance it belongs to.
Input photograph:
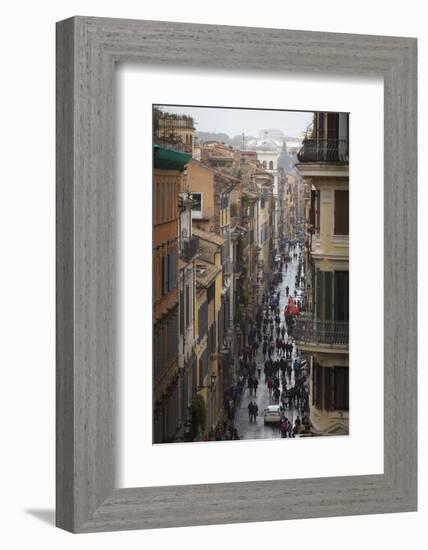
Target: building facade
(167, 183)
(188, 245)
(322, 332)
(268, 158)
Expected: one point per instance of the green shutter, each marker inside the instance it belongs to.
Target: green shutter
(328, 296)
(319, 294)
(328, 388)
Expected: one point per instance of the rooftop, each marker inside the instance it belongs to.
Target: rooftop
(208, 236)
(206, 273)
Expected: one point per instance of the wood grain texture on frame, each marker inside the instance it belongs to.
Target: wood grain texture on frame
(87, 50)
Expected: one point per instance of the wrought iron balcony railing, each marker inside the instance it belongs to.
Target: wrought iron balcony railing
(189, 247)
(324, 150)
(313, 331)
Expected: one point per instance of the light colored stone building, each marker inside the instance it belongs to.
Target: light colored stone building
(322, 334)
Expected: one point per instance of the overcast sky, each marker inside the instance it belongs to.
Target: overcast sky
(248, 121)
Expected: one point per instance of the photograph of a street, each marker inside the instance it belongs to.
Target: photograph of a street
(250, 274)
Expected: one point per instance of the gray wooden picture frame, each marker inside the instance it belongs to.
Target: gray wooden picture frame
(87, 50)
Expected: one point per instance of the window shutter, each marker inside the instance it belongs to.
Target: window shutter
(341, 213)
(317, 211)
(332, 125)
(170, 269)
(341, 388)
(328, 295)
(314, 385)
(319, 294)
(181, 312)
(328, 388)
(165, 275)
(318, 386)
(173, 270)
(320, 125)
(312, 209)
(341, 295)
(187, 305)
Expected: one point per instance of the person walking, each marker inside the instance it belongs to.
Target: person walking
(270, 386)
(283, 348)
(283, 426)
(255, 412)
(255, 386)
(250, 412)
(264, 348)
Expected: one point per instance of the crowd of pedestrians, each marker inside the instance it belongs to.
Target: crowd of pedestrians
(270, 347)
(269, 339)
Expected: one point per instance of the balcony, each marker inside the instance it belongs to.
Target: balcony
(314, 332)
(324, 150)
(189, 248)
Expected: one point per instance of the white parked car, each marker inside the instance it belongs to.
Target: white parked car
(272, 413)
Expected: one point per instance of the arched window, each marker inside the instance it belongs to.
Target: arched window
(271, 165)
(264, 164)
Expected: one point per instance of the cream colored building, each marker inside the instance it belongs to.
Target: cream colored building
(268, 158)
(322, 332)
(265, 216)
(209, 282)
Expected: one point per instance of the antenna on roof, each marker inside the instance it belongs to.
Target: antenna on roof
(243, 141)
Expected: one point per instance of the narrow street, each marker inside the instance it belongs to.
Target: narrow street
(247, 225)
(260, 430)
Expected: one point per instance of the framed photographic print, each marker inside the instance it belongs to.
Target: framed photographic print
(236, 274)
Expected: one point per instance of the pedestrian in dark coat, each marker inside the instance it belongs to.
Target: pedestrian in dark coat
(255, 386)
(283, 426)
(250, 385)
(250, 411)
(255, 411)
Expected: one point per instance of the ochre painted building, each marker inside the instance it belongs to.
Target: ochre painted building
(168, 173)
